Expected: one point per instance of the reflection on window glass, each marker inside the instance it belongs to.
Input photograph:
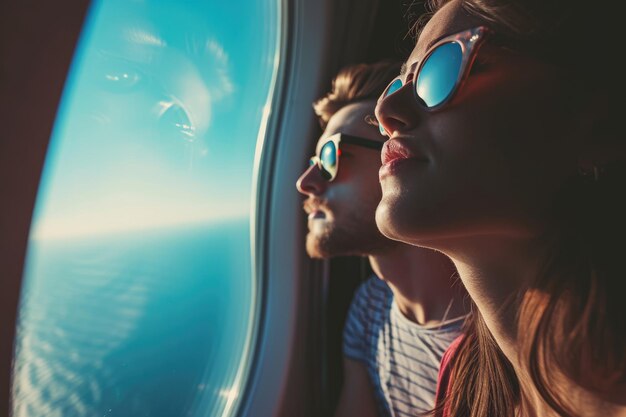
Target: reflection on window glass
(138, 295)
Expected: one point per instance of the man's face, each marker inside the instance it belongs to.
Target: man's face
(342, 212)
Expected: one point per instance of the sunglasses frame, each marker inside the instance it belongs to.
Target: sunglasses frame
(336, 139)
(469, 40)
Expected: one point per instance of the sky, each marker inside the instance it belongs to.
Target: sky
(160, 116)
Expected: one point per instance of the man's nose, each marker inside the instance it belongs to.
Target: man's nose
(311, 181)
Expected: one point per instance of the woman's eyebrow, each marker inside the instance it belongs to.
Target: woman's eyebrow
(435, 41)
(403, 69)
(405, 66)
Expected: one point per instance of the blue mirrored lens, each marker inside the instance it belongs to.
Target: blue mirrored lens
(328, 157)
(439, 74)
(393, 87)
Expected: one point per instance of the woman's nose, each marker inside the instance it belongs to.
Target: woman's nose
(398, 111)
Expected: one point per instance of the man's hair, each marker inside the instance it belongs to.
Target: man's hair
(355, 83)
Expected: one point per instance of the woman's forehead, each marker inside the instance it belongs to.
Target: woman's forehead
(450, 19)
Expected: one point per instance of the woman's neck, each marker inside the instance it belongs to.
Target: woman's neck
(496, 273)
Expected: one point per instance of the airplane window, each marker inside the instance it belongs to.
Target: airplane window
(139, 297)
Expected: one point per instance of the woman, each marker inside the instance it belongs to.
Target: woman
(506, 115)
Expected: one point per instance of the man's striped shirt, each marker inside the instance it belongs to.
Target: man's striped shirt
(402, 357)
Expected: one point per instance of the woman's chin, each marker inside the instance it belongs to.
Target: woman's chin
(405, 221)
(391, 222)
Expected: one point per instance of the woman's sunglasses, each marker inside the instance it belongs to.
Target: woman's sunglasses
(328, 160)
(443, 69)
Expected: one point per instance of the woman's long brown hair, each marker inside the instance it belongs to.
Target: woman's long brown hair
(574, 314)
(477, 368)
(572, 321)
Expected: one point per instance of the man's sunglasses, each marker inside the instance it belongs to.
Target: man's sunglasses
(328, 160)
(442, 71)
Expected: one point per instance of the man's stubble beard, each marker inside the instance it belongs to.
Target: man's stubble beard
(353, 236)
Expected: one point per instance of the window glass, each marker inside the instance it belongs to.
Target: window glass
(139, 297)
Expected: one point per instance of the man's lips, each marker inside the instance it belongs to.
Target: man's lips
(317, 214)
(314, 210)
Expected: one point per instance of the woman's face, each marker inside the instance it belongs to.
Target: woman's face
(488, 161)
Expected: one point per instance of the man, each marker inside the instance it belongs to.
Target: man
(402, 320)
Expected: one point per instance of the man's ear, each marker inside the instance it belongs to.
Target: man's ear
(603, 134)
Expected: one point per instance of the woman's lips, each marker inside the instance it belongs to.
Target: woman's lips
(395, 155)
(393, 149)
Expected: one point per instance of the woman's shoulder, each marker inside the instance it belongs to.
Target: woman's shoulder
(444, 381)
(450, 353)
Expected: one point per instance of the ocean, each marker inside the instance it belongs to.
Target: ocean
(147, 323)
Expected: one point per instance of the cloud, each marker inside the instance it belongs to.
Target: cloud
(220, 63)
